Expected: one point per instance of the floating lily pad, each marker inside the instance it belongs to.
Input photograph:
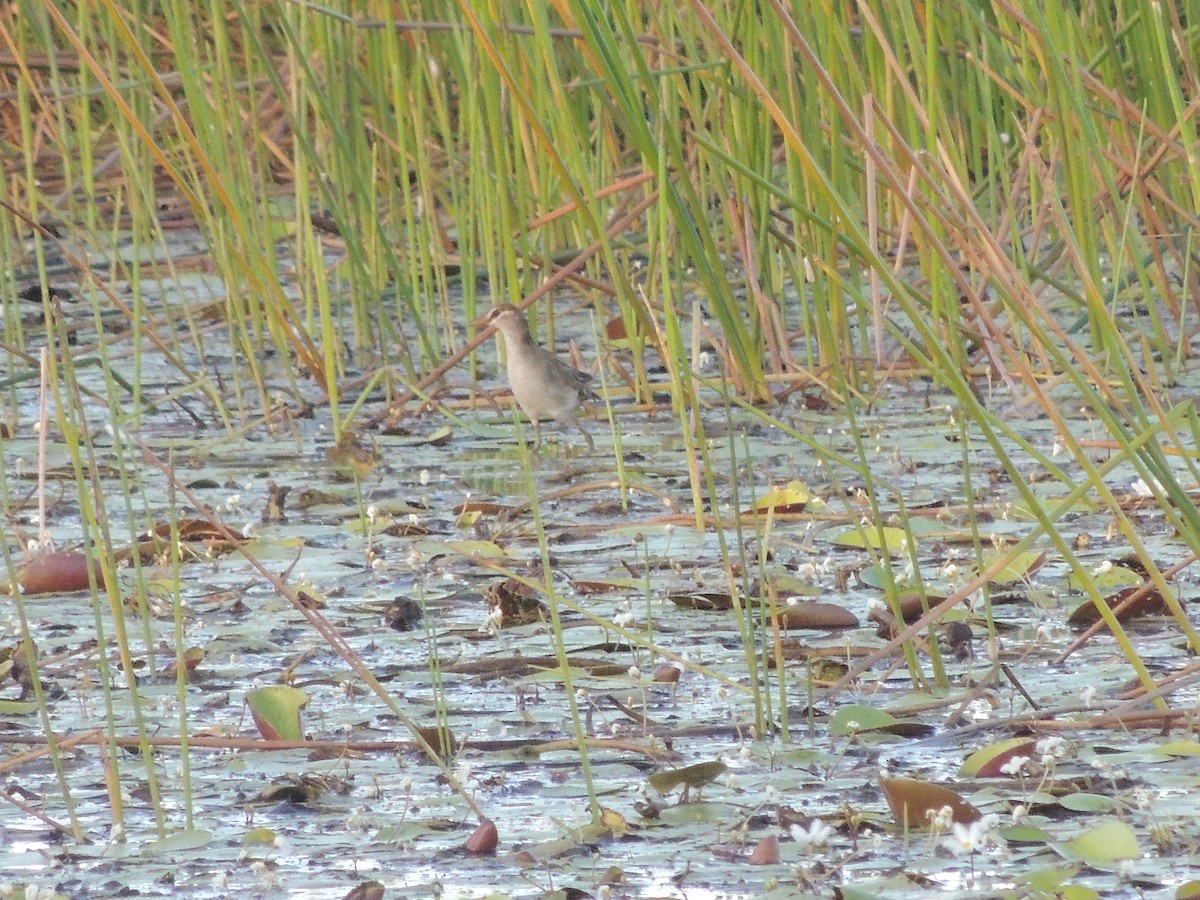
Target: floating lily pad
(1103, 845)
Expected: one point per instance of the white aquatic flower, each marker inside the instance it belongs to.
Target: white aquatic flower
(1142, 489)
(1015, 765)
(942, 819)
(965, 839)
(973, 837)
(816, 835)
(1103, 569)
(1088, 695)
(1054, 747)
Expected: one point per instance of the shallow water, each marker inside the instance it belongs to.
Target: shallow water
(390, 816)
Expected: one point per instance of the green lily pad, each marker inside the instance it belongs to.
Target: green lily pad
(890, 538)
(1103, 845)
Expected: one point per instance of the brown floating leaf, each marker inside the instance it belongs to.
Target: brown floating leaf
(367, 890)
(1150, 603)
(484, 840)
(706, 600)
(727, 851)
(814, 614)
(666, 673)
(614, 329)
(588, 588)
(512, 603)
(198, 538)
(60, 572)
(439, 737)
(406, 529)
(914, 803)
(913, 606)
(485, 507)
(766, 853)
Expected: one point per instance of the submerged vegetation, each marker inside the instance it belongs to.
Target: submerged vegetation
(893, 308)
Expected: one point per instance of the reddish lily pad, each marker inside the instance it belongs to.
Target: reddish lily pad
(60, 572)
(987, 762)
(1150, 603)
(915, 804)
(813, 614)
(276, 712)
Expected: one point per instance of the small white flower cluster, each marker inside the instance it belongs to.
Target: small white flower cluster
(31, 891)
(966, 839)
(815, 836)
(625, 618)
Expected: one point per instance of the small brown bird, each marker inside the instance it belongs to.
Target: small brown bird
(542, 383)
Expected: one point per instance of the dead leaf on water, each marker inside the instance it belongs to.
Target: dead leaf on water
(484, 840)
(914, 804)
(813, 614)
(60, 572)
(709, 601)
(511, 603)
(766, 853)
(1150, 603)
